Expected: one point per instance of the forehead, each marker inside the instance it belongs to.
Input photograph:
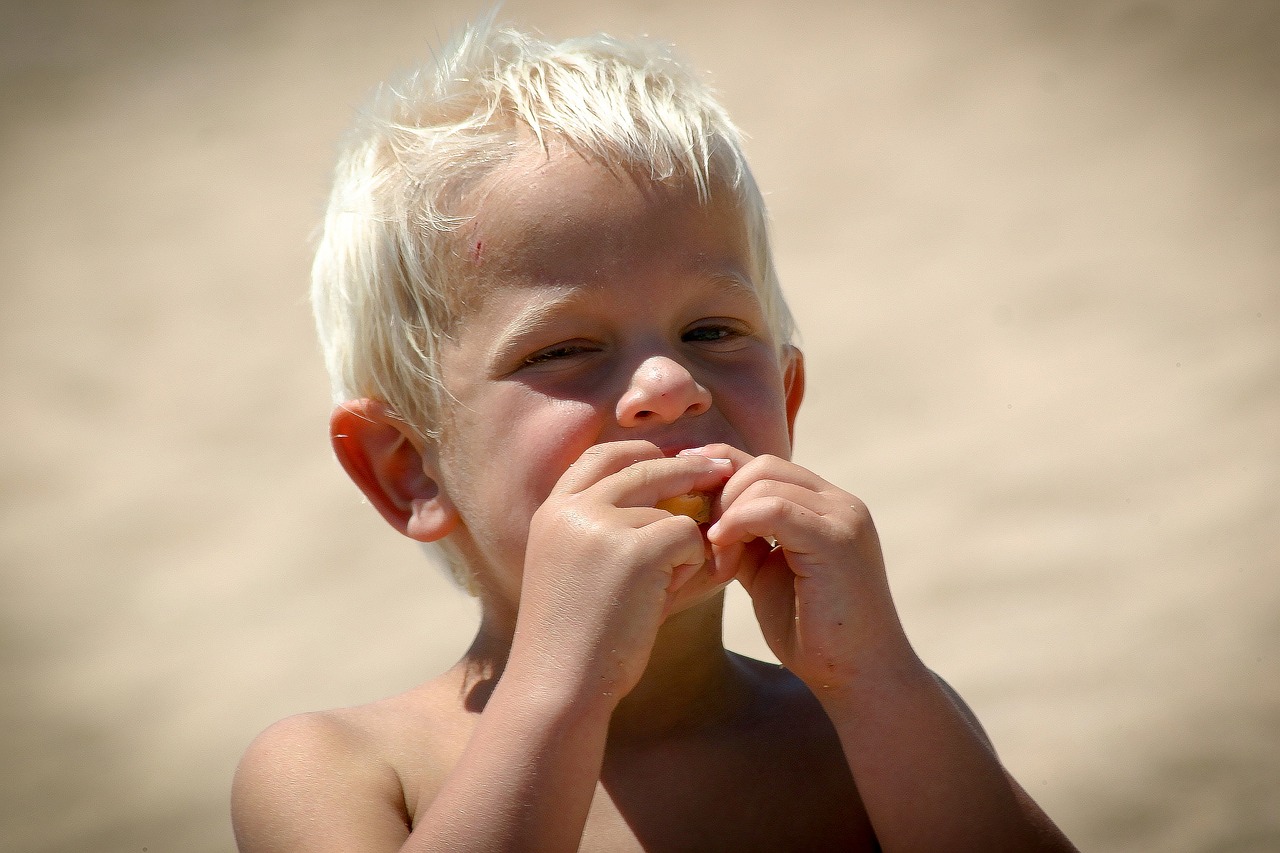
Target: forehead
(560, 218)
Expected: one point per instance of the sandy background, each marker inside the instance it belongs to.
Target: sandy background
(1034, 249)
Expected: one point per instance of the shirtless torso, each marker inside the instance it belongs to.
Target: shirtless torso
(768, 776)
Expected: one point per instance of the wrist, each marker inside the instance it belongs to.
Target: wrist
(556, 686)
(873, 680)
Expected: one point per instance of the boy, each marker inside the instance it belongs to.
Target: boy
(549, 308)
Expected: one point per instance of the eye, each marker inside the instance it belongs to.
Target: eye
(716, 333)
(559, 352)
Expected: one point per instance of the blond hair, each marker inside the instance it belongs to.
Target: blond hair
(383, 288)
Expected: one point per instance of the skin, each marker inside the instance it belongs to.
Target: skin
(615, 356)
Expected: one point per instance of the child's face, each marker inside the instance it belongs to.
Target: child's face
(606, 308)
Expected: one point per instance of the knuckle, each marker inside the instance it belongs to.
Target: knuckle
(859, 523)
(759, 490)
(757, 466)
(776, 505)
(571, 513)
(637, 475)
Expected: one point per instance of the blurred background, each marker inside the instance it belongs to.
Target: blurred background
(1034, 250)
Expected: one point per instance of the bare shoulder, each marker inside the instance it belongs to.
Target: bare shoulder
(318, 781)
(351, 779)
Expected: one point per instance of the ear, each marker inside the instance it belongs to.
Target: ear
(793, 383)
(393, 467)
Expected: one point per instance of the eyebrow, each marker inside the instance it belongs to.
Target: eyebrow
(527, 321)
(733, 283)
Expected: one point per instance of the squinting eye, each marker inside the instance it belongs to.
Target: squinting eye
(711, 334)
(555, 353)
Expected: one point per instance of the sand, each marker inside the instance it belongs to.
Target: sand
(1034, 250)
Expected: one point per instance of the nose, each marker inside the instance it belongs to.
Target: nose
(661, 391)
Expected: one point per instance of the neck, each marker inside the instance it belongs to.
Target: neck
(687, 682)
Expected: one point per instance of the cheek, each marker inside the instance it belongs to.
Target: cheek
(759, 413)
(562, 432)
(529, 442)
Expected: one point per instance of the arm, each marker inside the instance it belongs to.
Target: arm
(927, 775)
(602, 569)
(526, 778)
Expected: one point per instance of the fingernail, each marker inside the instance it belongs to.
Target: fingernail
(699, 451)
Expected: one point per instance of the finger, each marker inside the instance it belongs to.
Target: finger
(699, 587)
(765, 489)
(601, 460)
(772, 591)
(682, 574)
(794, 526)
(648, 481)
(720, 451)
(690, 583)
(738, 457)
(738, 560)
(679, 546)
(727, 561)
(772, 493)
(771, 468)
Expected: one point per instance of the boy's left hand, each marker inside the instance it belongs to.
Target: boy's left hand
(820, 593)
(808, 554)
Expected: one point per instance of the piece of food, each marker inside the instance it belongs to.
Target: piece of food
(695, 506)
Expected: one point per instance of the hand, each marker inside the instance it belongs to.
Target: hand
(808, 555)
(604, 567)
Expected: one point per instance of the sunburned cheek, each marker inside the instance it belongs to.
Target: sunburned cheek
(574, 421)
(555, 443)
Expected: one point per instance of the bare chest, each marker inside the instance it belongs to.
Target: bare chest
(725, 827)
(774, 780)
(769, 794)
(772, 796)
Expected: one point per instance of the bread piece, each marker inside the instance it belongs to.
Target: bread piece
(695, 506)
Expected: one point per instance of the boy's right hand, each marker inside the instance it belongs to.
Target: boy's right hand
(604, 567)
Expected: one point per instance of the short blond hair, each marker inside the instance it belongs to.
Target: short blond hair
(383, 287)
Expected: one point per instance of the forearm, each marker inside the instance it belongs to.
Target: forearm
(526, 778)
(926, 774)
